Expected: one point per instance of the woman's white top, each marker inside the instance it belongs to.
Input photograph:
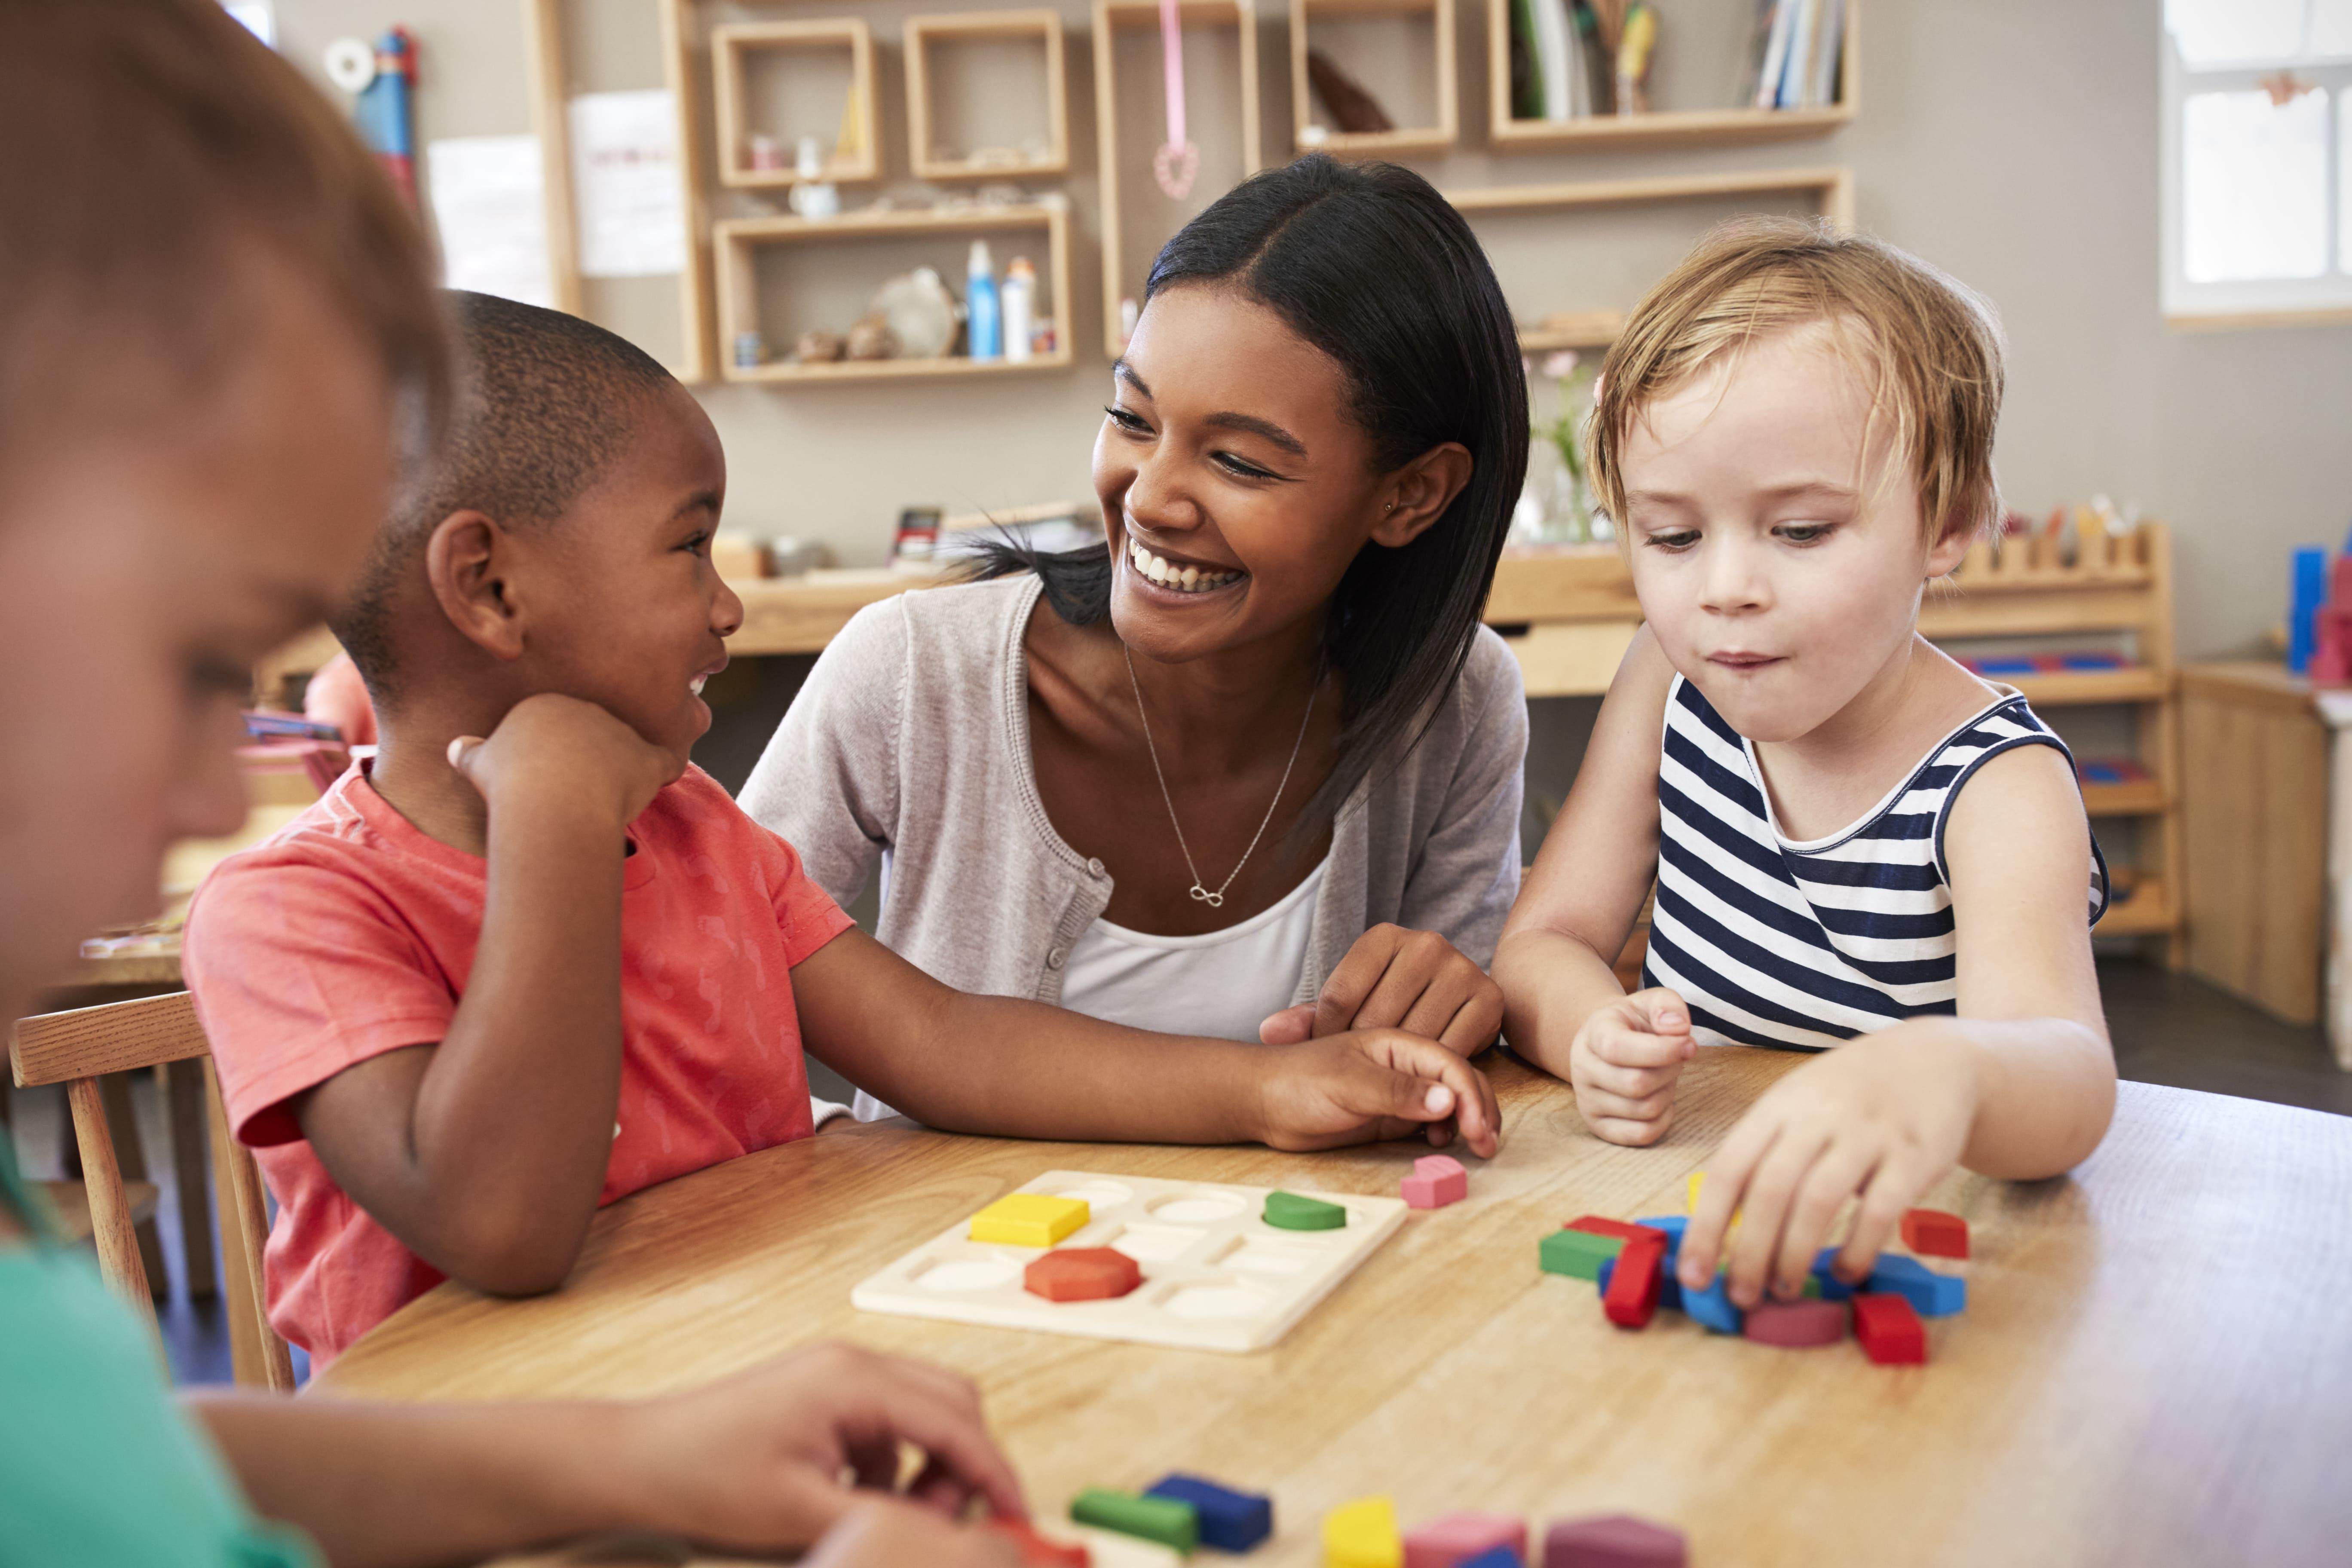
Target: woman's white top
(1222, 984)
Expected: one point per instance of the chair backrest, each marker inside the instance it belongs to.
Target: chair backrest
(79, 1047)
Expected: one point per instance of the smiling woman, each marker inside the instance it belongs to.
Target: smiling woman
(1250, 767)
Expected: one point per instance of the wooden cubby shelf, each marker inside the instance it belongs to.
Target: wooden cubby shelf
(1667, 127)
(922, 32)
(732, 47)
(1390, 143)
(738, 240)
(1111, 18)
(1831, 189)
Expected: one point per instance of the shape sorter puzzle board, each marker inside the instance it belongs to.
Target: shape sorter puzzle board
(1215, 1276)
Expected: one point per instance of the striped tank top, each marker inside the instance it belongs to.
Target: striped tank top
(1801, 946)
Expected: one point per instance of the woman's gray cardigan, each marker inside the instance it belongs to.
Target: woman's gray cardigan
(910, 743)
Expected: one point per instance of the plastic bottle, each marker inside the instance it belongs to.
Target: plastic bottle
(984, 323)
(1020, 309)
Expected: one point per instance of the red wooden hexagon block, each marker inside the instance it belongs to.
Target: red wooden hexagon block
(1082, 1273)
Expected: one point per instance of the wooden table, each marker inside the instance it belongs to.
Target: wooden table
(2155, 1367)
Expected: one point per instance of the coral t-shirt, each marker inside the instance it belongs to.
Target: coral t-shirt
(351, 933)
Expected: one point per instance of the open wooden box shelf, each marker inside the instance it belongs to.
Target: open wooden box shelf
(1390, 143)
(1045, 27)
(731, 48)
(1666, 128)
(737, 240)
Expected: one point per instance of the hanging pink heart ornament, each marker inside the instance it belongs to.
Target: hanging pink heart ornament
(1177, 161)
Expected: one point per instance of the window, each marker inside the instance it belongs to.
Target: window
(2257, 198)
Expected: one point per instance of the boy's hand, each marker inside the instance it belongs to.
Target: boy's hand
(1623, 1064)
(1883, 1118)
(757, 1463)
(1393, 978)
(1370, 1085)
(549, 746)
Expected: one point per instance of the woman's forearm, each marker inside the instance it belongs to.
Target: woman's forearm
(389, 1485)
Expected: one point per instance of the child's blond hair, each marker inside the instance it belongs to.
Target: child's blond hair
(1928, 348)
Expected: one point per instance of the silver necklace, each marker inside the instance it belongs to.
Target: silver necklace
(1215, 900)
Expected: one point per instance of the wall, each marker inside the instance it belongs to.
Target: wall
(2012, 142)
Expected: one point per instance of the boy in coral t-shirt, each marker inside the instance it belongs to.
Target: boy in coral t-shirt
(488, 985)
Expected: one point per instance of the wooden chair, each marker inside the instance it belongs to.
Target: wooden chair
(76, 1049)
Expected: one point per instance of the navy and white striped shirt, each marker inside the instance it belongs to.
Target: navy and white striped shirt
(1803, 946)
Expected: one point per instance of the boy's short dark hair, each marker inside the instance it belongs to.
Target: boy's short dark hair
(156, 148)
(544, 402)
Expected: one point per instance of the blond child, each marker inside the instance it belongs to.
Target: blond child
(1860, 849)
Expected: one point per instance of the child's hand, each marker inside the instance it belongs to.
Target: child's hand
(756, 1464)
(1882, 1119)
(1369, 1085)
(1393, 978)
(1623, 1064)
(550, 745)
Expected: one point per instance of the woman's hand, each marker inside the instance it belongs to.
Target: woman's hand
(756, 1463)
(1398, 979)
(1369, 1085)
(1623, 1064)
(1881, 1119)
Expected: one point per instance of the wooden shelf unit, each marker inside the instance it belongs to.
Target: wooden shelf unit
(1403, 139)
(1667, 127)
(1831, 188)
(1114, 17)
(737, 240)
(732, 48)
(544, 58)
(1043, 25)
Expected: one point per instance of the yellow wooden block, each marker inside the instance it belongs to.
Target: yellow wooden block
(1362, 1534)
(1029, 1219)
(1690, 1204)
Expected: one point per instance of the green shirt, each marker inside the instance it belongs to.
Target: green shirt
(97, 1465)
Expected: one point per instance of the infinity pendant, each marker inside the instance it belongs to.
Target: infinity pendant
(1215, 901)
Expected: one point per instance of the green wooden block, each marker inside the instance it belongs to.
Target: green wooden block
(1577, 1254)
(1288, 1211)
(1163, 1520)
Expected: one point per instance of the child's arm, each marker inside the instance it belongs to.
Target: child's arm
(484, 1152)
(752, 1465)
(1023, 1069)
(1562, 1007)
(2020, 1085)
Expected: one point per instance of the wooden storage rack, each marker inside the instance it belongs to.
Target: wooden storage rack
(1404, 139)
(731, 48)
(1669, 127)
(739, 239)
(1046, 26)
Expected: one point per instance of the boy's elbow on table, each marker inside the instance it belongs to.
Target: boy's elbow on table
(510, 1254)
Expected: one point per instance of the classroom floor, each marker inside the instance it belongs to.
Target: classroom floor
(2168, 1028)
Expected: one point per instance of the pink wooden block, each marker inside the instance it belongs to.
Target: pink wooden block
(1618, 1540)
(1443, 1543)
(1796, 1325)
(1436, 1180)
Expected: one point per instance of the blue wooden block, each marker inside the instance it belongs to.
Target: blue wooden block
(1496, 1556)
(1931, 1294)
(1674, 1226)
(1230, 1520)
(1832, 1288)
(1713, 1307)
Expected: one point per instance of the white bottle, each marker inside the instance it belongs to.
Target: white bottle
(814, 196)
(1020, 294)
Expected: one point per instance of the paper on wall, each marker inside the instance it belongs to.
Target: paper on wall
(625, 181)
(489, 206)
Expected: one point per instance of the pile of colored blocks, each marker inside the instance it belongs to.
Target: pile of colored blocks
(1183, 1513)
(1633, 1264)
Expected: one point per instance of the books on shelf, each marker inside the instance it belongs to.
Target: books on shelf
(1557, 67)
(1794, 54)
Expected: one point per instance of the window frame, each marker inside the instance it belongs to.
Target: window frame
(2262, 302)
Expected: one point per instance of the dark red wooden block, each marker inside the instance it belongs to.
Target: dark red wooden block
(1890, 1331)
(1931, 1233)
(1082, 1273)
(1632, 1294)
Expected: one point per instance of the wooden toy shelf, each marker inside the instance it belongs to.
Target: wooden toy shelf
(732, 48)
(1389, 143)
(738, 239)
(1662, 128)
(1044, 27)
